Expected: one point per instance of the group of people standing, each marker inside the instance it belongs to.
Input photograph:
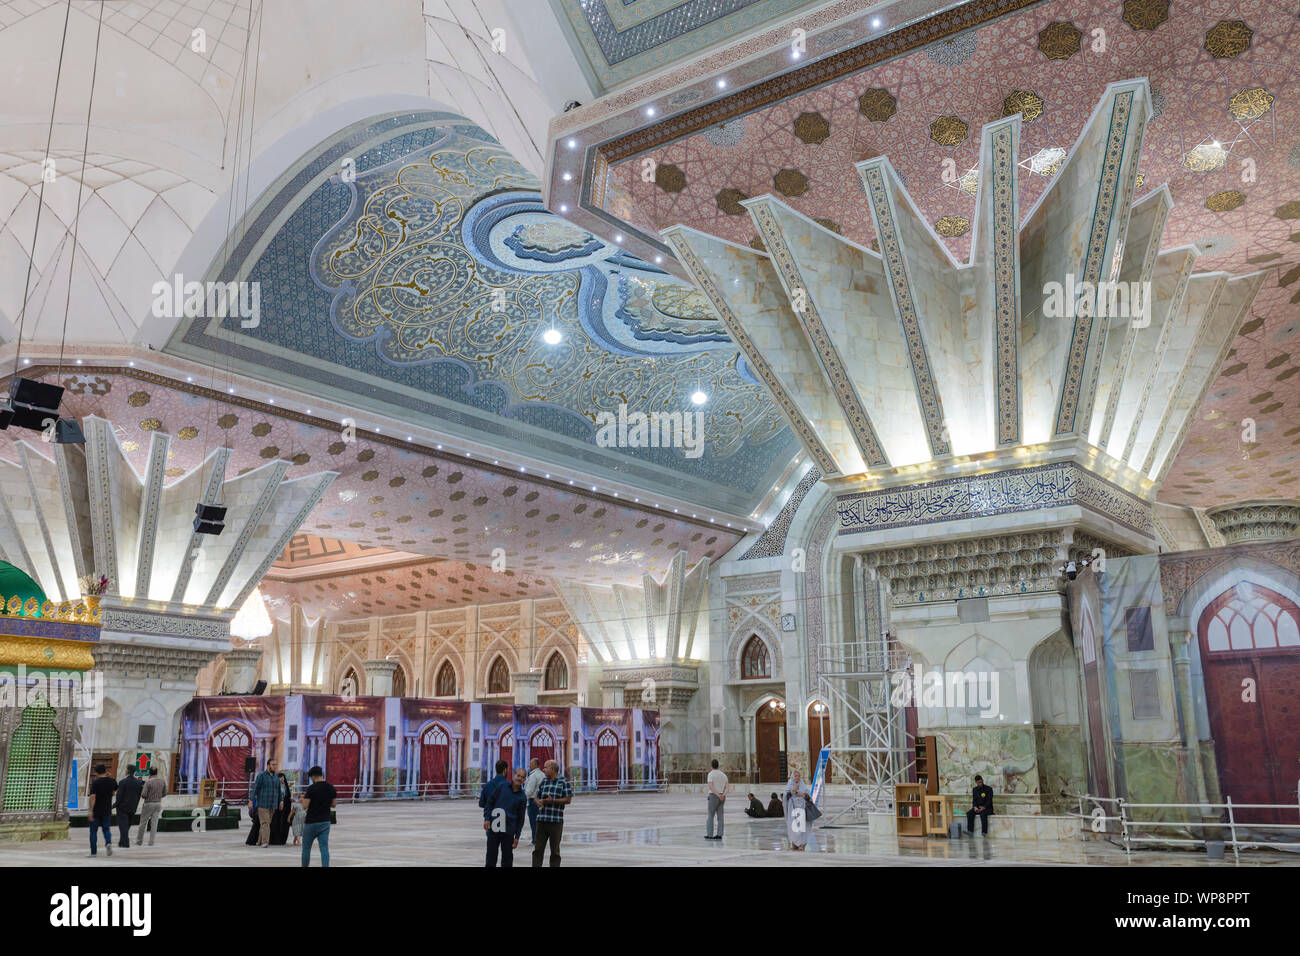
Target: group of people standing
(796, 806)
(539, 796)
(276, 811)
(124, 797)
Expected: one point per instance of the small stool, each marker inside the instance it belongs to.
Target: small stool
(954, 829)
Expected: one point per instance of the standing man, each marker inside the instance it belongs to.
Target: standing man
(717, 796)
(319, 798)
(265, 797)
(154, 790)
(553, 795)
(102, 788)
(982, 804)
(535, 778)
(493, 822)
(128, 800)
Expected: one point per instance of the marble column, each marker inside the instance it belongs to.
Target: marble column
(1179, 638)
(526, 684)
(613, 692)
(379, 677)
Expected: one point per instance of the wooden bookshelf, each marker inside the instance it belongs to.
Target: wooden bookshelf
(927, 765)
(909, 809)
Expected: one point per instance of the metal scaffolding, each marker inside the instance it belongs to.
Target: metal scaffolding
(865, 682)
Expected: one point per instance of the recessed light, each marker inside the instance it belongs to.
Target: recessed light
(309, 411)
(722, 83)
(618, 238)
(132, 364)
(658, 259)
(439, 448)
(272, 401)
(564, 207)
(189, 378)
(230, 390)
(570, 481)
(650, 111)
(875, 23)
(552, 336)
(79, 362)
(521, 468)
(573, 144)
(593, 487)
(699, 397)
(409, 438)
(794, 54)
(566, 176)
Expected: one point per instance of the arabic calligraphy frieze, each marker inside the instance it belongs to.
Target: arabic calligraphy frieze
(1026, 489)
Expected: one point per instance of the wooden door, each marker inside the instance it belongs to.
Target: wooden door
(607, 760)
(343, 760)
(1250, 638)
(769, 730)
(435, 760)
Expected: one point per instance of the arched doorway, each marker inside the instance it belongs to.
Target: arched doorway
(541, 746)
(819, 735)
(343, 759)
(507, 745)
(607, 777)
(1250, 637)
(435, 760)
(770, 742)
(230, 746)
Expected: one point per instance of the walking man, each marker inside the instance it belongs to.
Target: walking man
(553, 795)
(487, 801)
(319, 798)
(265, 797)
(128, 799)
(102, 788)
(717, 797)
(154, 790)
(535, 778)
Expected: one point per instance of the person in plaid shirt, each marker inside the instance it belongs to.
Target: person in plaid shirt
(263, 798)
(554, 794)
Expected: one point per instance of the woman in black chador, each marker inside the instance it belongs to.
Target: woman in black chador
(283, 814)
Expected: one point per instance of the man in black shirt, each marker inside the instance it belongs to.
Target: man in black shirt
(319, 798)
(102, 787)
(128, 799)
(981, 803)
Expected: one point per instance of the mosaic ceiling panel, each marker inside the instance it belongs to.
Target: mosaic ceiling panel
(427, 284)
(1225, 137)
(391, 494)
(619, 40)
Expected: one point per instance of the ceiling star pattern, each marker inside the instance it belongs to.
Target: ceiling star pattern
(436, 271)
(1217, 75)
(393, 494)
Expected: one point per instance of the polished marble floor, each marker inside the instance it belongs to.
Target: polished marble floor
(601, 830)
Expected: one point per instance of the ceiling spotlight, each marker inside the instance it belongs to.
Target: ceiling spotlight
(271, 400)
(564, 207)
(875, 23)
(439, 448)
(27, 361)
(566, 176)
(78, 361)
(650, 111)
(552, 337)
(722, 83)
(618, 238)
(573, 144)
(658, 259)
(230, 390)
(698, 397)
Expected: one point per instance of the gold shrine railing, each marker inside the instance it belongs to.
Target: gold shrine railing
(82, 611)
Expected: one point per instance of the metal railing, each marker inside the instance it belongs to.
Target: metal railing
(1130, 828)
(236, 792)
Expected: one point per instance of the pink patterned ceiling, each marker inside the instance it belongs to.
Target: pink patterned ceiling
(397, 495)
(970, 76)
(419, 585)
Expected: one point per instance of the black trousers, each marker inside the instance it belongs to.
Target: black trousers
(500, 841)
(547, 832)
(124, 828)
(970, 820)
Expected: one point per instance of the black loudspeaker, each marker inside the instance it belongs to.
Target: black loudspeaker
(250, 765)
(209, 519)
(68, 432)
(260, 689)
(32, 404)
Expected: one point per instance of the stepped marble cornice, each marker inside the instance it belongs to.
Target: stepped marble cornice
(892, 359)
(69, 511)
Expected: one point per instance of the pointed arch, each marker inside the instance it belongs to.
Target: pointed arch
(445, 682)
(755, 660)
(498, 676)
(557, 673)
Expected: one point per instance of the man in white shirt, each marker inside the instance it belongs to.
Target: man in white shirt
(535, 777)
(717, 796)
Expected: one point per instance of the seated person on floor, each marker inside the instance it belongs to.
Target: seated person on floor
(774, 808)
(981, 803)
(755, 809)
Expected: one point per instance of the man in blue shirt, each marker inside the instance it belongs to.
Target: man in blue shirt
(504, 818)
(553, 796)
(487, 801)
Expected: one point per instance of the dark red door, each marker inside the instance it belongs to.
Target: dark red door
(1250, 650)
(507, 746)
(607, 760)
(542, 746)
(343, 760)
(435, 760)
(230, 747)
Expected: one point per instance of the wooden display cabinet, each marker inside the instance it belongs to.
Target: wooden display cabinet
(909, 809)
(938, 814)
